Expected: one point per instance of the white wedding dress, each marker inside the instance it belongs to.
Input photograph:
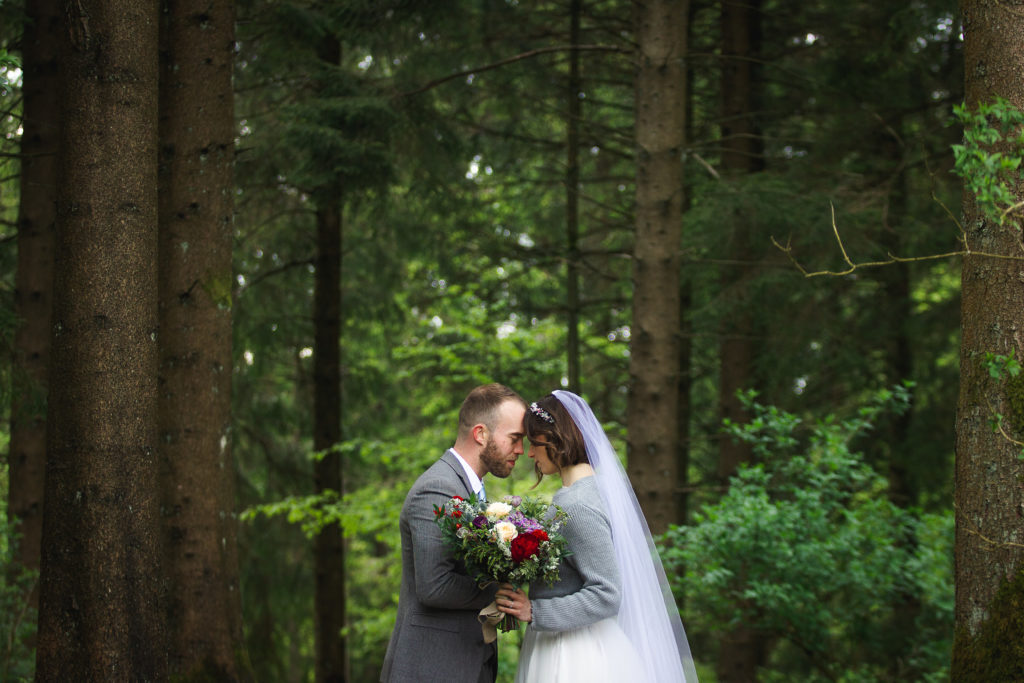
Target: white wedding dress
(611, 615)
(598, 653)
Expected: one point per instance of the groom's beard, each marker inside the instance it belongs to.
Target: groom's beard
(497, 464)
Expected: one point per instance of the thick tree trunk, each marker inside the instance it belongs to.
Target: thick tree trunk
(100, 615)
(196, 208)
(989, 551)
(329, 547)
(33, 285)
(652, 412)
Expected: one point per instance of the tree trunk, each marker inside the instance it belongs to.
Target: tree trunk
(195, 282)
(742, 153)
(572, 198)
(329, 548)
(989, 640)
(33, 285)
(685, 407)
(742, 650)
(100, 615)
(652, 412)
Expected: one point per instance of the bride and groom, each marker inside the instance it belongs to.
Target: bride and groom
(610, 616)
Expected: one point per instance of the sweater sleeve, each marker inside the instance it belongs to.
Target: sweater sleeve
(589, 538)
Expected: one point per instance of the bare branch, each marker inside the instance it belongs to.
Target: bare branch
(966, 251)
(977, 532)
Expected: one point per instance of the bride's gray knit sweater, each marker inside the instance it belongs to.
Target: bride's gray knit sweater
(589, 585)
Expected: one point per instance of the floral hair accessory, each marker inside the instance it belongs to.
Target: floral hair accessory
(541, 413)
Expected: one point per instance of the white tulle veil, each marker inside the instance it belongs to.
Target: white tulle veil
(648, 612)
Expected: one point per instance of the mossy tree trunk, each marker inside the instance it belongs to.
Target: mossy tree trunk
(652, 411)
(989, 551)
(101, 616)
(195, 283)
(33, 287)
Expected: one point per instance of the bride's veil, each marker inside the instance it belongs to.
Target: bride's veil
(648, 612)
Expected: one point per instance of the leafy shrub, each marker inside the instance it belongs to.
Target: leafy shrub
(806, 550)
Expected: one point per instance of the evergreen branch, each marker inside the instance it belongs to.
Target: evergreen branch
(510, 60)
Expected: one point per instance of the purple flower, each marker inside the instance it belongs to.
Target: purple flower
(480, 522)
(522, 522)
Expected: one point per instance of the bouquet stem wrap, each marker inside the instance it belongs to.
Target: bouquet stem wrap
(492, 619)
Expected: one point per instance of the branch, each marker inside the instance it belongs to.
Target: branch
(983, 537)
(509, 60)
(998, 423)
(966, 251)
(273, 271)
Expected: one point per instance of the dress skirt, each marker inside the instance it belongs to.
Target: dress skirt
(597, 653)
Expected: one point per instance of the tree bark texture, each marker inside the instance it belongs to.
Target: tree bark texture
(33, 285)
(652, 411)
(100, 615)
(329, 547)
(195, 283)
(989, 640)
(742, 153)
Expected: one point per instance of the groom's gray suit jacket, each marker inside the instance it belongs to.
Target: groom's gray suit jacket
(437, 636)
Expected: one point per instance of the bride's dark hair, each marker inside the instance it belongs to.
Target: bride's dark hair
(548, 421)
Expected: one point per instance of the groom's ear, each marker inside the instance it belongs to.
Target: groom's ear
(480, 434)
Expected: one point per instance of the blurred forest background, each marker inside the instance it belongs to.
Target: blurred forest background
(427, 196)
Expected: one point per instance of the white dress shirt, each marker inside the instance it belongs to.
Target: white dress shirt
(474, 481)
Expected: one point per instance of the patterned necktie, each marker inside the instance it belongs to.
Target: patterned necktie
(483, 492)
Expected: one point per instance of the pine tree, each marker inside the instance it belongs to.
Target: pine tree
(34, 280)
(100, 584)
(195, 291)
(989, 498)
(654, 355)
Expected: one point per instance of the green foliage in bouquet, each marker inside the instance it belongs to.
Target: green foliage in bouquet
(514, 540)
(807, 549)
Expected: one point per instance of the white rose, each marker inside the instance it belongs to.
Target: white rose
(505, 531)
(497, 510)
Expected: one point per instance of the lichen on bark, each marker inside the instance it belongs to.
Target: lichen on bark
(993, 654)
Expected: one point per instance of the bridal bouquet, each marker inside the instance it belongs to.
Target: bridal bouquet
(514, 540)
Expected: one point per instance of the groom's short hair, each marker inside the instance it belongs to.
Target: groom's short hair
(481, 406)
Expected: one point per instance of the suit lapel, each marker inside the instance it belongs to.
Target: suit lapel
(453, 462)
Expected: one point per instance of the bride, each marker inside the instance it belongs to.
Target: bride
(611, 616)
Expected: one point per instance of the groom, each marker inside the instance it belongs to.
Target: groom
(437, 637)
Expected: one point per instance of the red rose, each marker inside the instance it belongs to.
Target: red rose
(524, 546)
(458, 526)
(457, 513)
(458, 498)
(539, 534)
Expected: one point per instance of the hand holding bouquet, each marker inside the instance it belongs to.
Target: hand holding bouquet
(513, 540)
